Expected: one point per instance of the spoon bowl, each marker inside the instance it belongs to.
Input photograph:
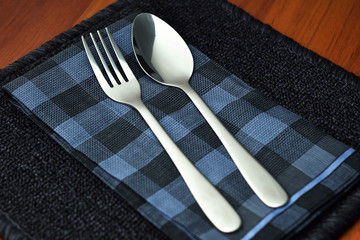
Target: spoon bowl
(155, 43)
(165, 57)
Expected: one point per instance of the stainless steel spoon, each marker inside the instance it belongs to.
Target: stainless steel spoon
(166, 58)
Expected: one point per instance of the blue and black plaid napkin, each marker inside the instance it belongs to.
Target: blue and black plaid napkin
(63, 96)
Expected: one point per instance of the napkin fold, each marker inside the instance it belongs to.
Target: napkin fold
(112, 140)
(63, 97)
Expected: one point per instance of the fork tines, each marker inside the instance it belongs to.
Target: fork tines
(118, 54)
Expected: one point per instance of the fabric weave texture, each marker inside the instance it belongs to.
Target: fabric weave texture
(111, 139)
(63, 200)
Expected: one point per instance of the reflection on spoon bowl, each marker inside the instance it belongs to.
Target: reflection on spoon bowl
(166, 58)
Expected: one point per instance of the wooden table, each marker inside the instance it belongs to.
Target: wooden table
(330, 28)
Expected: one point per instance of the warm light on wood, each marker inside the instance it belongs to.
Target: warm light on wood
(331, 28)
(26, 25)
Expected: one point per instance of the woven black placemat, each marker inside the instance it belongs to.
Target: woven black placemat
(47, 194)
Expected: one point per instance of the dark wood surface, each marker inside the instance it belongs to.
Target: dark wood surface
(330, 28)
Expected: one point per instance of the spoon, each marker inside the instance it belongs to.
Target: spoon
(165, 57)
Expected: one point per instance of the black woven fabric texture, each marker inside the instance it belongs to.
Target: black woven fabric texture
(47, 194)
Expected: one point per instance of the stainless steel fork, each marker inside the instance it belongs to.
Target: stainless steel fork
(213, 204)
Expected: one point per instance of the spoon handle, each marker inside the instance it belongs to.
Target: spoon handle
(213, 204)
(258, 178)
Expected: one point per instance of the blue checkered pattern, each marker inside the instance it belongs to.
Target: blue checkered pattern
(63, 96)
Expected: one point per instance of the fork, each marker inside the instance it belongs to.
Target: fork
(213, 204)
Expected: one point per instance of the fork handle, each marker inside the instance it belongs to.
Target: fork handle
(258, 178)
(212, 203)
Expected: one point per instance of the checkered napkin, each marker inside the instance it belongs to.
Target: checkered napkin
(63, 96)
